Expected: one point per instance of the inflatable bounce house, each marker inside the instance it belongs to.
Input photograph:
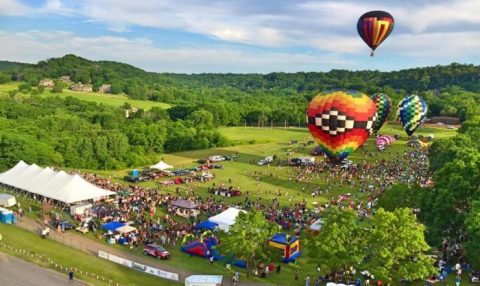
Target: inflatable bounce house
(290, 245)
(206, 246)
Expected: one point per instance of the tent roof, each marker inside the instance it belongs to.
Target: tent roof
(125, 229)
(185, 204)
(206, 225)
(161, 166)
(226, 218)
(46, 182)
(112, 226)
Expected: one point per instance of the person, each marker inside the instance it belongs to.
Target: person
(317, 282)
(70, 276)
(457, 280)
(211, 259)
(237, 276)
(1, 237)
(307, 281)
(234, 281)
(318, 270)
(279, 267)
(295, 275)
(228, 267)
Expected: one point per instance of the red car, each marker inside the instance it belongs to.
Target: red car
(156, 251)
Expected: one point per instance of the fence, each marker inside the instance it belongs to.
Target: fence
(46, 261)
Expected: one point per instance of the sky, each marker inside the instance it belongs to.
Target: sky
(239, 36)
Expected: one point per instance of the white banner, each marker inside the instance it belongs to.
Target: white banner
(138, 266)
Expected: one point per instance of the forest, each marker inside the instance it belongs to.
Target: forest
(236, 99)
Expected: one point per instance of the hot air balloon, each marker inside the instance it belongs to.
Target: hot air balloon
(340, 121)
(412, 111)
(384, 141)
(374, 27)
(384, 104)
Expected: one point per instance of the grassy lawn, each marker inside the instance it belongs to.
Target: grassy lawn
(68, 257)
(100, 98)
(263, 182)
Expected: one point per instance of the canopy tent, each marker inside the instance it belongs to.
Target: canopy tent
(161, 166)
(226, 218)
(206, 225)
(46, 182)
(125, 229)
(317, 225)
(112, 226)
(184, 204)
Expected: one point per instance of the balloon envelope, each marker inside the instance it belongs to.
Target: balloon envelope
(384, 105)
(374, 27)
(412, 111)
(340, 121)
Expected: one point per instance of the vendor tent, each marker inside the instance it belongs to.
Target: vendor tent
(125, 229)
(226, 218)
(206, 225)
(161, 166)
(184, 204)
(112, 226)
(48, 183)
(204, 280)
(7, 200)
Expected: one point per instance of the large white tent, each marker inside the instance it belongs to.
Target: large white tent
(46, 182)
(226, 218)
(161, 166)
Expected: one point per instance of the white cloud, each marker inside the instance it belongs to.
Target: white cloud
(13, 8)
(142, 53)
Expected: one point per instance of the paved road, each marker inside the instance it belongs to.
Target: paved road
(17, 272)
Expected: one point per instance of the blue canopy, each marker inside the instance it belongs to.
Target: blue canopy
(112, 226)
(206, 224)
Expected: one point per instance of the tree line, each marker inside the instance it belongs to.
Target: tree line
(235, 99)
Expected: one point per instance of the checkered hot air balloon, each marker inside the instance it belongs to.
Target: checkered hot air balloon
(384, 105)
(341, 121)
(412, 111)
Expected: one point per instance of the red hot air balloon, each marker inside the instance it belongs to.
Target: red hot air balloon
(341, 121)
(374, 27)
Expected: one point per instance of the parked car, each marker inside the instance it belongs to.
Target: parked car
(302, 161)
(230, 157)
(202, 161)
(156, 251)
(181, 172)
(265, 161)
(216, 158)
(64, 224)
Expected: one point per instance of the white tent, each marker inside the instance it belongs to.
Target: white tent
(46, 182)
(161, 166)
(317, 225)
(125, 229)
(226, 218)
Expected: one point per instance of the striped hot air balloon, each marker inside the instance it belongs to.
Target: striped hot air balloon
(384, 105)
(412, 111)
(341, 121)
(384, 141)
(374, 27)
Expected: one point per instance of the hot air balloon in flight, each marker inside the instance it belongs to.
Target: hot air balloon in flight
(412, 111)
(340, 121)
(374, 27)
(384, 105)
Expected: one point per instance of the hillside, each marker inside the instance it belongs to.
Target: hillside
(6, 65)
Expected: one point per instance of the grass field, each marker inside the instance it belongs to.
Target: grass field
(253, 144)
(69, 257)
(100, 98)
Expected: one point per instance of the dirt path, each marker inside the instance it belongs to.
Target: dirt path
(92, 247)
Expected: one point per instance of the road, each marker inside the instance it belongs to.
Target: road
(17, 272)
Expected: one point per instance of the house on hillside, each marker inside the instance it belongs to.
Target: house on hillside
(81, 87)
(46, 82)
(105, 88)
(65, 78)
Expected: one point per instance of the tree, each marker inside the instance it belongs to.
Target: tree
(247, 238)
(472, 223)
(396, 247)
(340, 243)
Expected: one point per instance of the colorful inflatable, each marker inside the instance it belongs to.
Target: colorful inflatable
(289, 245)
(340, 121)
(384, 141)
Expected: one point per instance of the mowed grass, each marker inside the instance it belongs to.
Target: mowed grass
(69, 257)
(100, 98)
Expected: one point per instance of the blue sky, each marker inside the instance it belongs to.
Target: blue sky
(246, 36)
